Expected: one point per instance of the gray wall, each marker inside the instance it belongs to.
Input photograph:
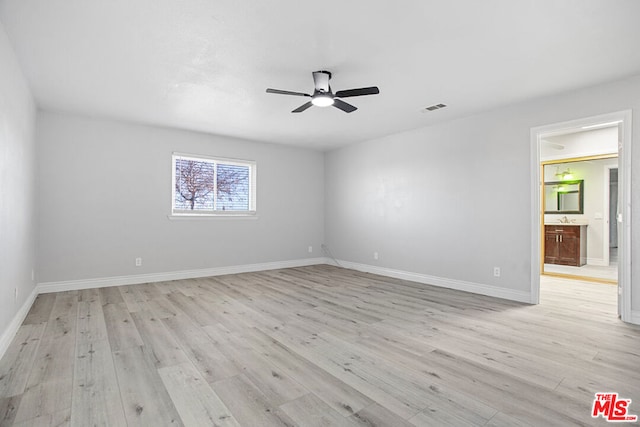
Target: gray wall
(17, 186)
(441, 201)
(453, 200)
(105, 196)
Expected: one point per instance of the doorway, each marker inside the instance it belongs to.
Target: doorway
(577, 203)
(558, 137)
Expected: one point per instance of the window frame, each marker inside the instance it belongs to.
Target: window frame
(188, 213)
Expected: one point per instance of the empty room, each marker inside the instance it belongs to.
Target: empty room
(284, 213)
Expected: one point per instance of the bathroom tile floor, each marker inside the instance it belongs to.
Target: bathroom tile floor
(609, 272)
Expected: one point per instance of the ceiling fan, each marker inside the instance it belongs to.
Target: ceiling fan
(324, 97)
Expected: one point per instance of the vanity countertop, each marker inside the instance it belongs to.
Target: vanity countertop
(567, 223)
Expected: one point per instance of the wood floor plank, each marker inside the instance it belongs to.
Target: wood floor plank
(188, 305)
(145, 399)
(188, 288)
(163, 308)
(8, 408)
(272, 381)
(57, 419)
(96, 396)
(133, 299)
(195, 401)
(377, 415)
(508, 394)
(447, 414)
(111, 295)
(310, 411)
(44, 400)
(444, 403)
(232, 311)
(212, 364)
(16, 365)
(500, 358)
(405, 405)
(503, 420)
(41, 309)
(248, 404)
(339, 396)
(149, 291)
(50, 384)
(164, 349)
(581, 386)
(121, 329)
(435, 396)
(90, 325)
(167, 287)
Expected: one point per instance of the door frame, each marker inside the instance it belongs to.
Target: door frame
(607, 214)
(624, 181)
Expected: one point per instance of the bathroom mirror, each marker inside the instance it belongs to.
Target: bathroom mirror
(564, 197)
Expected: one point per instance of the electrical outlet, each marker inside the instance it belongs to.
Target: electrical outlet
(33, 275)
(310, 249)
(138, 262)
(496, 271)
(375, 255)
(15, 294)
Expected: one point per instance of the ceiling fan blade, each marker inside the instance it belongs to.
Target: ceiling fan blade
(303, 107)
(286, 92)
(373, 90)
(347, 108)
(321, 80)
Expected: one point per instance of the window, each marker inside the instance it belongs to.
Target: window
(212, 186)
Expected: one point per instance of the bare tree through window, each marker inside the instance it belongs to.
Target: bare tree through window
(195, 182)
(233, 187)
(209, 185)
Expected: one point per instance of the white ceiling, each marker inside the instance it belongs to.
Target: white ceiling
(205, 64)
(580, 143)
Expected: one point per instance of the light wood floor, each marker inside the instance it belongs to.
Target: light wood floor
(316, 346)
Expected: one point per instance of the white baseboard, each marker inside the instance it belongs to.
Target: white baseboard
(74, 285)
(12, 329)
(476, 288)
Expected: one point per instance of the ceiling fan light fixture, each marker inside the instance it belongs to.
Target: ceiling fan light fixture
(322, 100)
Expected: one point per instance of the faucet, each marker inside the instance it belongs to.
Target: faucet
(564, 220)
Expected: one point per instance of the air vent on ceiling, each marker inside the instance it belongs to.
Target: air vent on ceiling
(434, 107)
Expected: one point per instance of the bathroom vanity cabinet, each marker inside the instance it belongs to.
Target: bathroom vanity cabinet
(565, 244)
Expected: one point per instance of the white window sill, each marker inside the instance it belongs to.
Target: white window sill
(198, 217)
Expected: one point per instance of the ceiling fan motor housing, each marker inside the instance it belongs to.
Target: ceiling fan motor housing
(321, 81)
